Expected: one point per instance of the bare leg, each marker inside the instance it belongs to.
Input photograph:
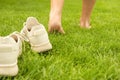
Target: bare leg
(55, 16)
(87, 6)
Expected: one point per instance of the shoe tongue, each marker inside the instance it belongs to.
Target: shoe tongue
(7, 40)
(31, 21)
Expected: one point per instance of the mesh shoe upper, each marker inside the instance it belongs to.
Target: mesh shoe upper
(34, 32)
(10, 48)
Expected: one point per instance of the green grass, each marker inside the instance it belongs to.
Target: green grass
(79, 54)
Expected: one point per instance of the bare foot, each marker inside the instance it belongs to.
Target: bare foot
(55, 27)
(55, 24)
(85, 24)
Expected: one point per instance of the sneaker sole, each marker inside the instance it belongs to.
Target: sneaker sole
(9, 71)
(42, 48)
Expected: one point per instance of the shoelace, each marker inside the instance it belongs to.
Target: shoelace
(22, 38)
(21, 35)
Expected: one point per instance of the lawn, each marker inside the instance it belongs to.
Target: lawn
(80, 54)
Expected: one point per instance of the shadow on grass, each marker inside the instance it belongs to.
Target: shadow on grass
(46, 53)
(7, 77)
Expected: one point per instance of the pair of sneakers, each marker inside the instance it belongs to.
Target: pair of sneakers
(11, 45)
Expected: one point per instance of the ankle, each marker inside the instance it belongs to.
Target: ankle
(54, 19)
(55, 14)
(84, 22)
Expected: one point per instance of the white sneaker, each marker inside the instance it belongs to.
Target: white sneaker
(10, 49)
(36, 34)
